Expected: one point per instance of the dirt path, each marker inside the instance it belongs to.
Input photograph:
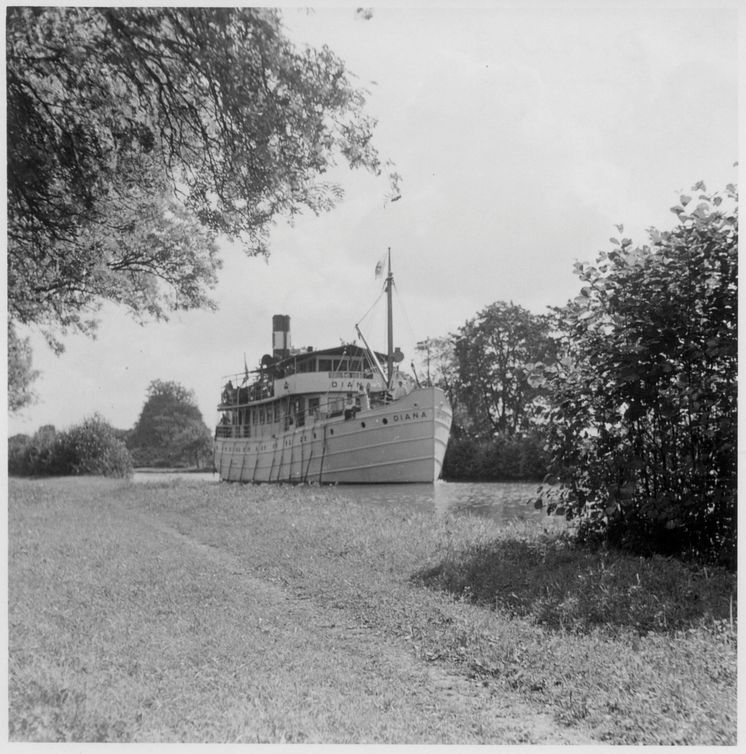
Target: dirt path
(336, 651)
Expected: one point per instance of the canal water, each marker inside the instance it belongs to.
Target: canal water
(502, 502)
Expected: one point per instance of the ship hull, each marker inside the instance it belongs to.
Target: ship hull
(401, 442)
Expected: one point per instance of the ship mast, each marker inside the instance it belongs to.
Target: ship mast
(390, 321)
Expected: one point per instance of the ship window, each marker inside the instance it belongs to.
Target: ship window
(300, 418)
(313, 407)
(277, 411)
(325, 365)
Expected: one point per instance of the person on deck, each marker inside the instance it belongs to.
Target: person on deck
(399, 389)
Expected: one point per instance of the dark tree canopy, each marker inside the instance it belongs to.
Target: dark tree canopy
(136, 135)
(170, 430)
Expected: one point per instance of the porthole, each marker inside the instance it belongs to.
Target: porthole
(362, 424)
(331, 431)
(385, 420)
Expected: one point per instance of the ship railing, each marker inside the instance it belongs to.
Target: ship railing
(232, 431)
(233, 397)
(364, 375)
(305, 418)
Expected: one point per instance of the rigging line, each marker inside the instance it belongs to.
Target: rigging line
(372, 306)
(403, 310)
(356, 328)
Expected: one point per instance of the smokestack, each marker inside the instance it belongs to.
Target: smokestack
(280, 336)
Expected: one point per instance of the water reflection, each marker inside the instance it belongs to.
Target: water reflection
(167, 476)
(498, 501)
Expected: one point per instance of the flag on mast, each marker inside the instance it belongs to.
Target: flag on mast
(380, 265)
(245, 370)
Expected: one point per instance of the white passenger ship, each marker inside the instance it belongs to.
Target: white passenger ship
(330, 416)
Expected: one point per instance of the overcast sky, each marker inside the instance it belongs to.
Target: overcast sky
(523, 137)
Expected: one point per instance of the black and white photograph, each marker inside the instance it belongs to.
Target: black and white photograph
(372, 373)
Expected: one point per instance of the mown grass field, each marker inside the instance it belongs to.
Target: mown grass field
(184, 611)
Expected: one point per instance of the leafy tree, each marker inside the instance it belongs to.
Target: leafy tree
(484, 370)
(643, 417)
(170, 430)
(20, 374)
(494, 354)
(136, 135)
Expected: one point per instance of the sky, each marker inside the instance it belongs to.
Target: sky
(523, 136)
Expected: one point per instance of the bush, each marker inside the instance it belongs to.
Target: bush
(34, 456)
(17, 447)
(643, 420)
(88, 448)
(93, 448)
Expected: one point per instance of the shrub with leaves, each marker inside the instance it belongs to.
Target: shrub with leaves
(35, 456)
(88, 448)
(643, 420)
(93, 448)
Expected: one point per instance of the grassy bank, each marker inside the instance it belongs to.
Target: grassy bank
(194, 612)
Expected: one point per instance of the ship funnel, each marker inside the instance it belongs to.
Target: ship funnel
(280, 336)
